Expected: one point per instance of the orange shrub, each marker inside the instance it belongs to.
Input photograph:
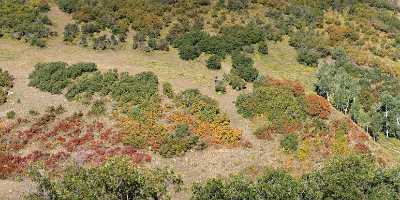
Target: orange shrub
(317, 106)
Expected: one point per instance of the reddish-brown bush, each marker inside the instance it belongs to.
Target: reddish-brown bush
(317, 106)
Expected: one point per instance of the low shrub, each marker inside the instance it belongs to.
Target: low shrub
(290, 143)
(98, 108)
(168, 90)
(317, 106)
(263, 48)
(179, 142)
(6, 82)
(220, 86)
(119, 176)
(214, 62)
(53, 77)
(11, 115)
(203, 107)
(308, 57)
(235, 81)
(243, 67)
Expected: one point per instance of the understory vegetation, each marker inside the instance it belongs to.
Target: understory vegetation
(6, 83)
(352, 177)
(193, 121)
(26, 20)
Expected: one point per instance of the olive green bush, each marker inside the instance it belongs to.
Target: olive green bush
(115, 179)
(6, 82)
(290, 143)
(352, 177)
(179, 142)
(168, 90)
(53, 77)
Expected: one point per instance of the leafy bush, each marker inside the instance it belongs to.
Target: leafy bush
(187, 52)
(220, 86)
(352, 177)
(119, 176)
(214, 62)
(6, 82)
(235, 82)
(25, 20)
(317, 106)
(11, 115)
(71, 31)
(97, 108)
(290, 142)
(201, 106)
(53, 77)
(179, 142)
(243, 67)
(263, 48)
(168, 90)
(237, 4)
(308, 57)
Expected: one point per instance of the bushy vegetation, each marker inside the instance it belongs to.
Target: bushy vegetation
(115, 179)
(25, 20)
(368, 95)
(54, 77)
(352, 177)
(6, 83)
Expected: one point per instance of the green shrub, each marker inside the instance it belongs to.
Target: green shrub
(168, 90)
(98, 108)
(188, 52)
(290, 143)
(115, 179)
(235, 81)
(214, 62)
(53, 77)
(308, 57)
(11, 114)
(204, 107)
(263, 48)
(179, 142)
(243, 67)
(71, 31)
(352, 177)
(237, 4)
(33, 112)
(220, 86)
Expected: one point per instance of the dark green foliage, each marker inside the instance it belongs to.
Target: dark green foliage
(235, 81)
(237, 4)
(97, 108)
(352, 177)
(279, 104)
(188, 52)
(25, 20)
(131, 90)
(220, 86)
(6, 80)
(115, 179)
(71, 31)
(68, 6)
(214, 62)
(179, 142)
(168, 90)
(11, 114)
(290, 142)
(263, 48)
(243, 67)
(55, 76)
(202, 106)
(308, 57)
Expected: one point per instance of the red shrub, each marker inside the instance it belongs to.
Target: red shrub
(317, 106)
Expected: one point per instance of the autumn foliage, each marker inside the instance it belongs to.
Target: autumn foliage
(317, 106)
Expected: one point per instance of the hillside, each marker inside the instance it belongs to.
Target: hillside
(221, 96)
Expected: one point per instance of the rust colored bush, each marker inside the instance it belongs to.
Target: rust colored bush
(317, 106)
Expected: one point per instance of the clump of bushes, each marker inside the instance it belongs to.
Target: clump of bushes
(235, 81)
(98, 108)
(290, 143)
(243, 67)
(26, 20)
(11, 115)
(179, 142)
(263, 48)
(53, 77)
(6, 82)
(203, 107)
(351, 177)
(214, 62)
(168, 90)
(121, 178)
